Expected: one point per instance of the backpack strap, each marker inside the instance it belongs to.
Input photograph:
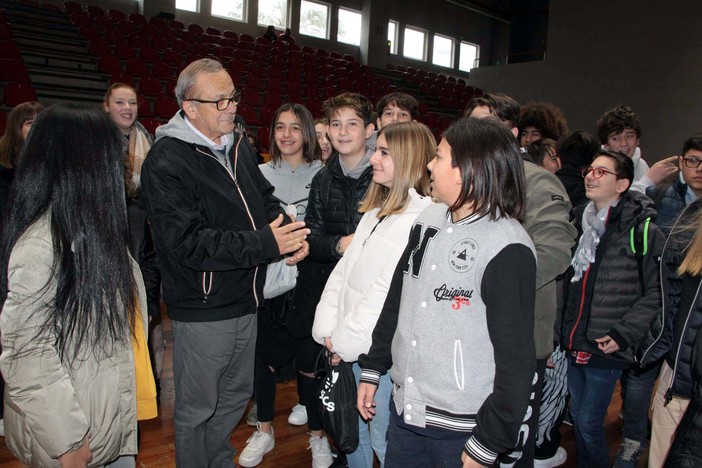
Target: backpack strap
(638, 239)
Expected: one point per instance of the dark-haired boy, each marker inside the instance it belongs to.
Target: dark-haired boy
(577, 150)
(332, 217)
(619, 129)
(670, 199)
(396, 107)
(547, 223)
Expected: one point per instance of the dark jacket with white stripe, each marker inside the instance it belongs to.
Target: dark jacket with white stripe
(211, 226)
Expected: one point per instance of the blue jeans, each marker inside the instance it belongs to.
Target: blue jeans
(637, 388)
(372, 435)
(590, 394)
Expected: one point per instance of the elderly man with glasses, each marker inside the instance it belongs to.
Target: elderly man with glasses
(216, 224)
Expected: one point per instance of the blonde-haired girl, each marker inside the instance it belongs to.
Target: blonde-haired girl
(356, 289)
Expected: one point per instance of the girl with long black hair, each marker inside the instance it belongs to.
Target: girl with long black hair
(73, 314)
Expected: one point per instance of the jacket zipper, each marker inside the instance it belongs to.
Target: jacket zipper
(663, 297)
(241, 195)
(580, 310)
(206, 288)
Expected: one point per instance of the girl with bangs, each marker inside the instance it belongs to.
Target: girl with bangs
(295, 159)
(356, 289)
(456, 330)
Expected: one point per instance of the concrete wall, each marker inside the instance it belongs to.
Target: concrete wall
(644, 54)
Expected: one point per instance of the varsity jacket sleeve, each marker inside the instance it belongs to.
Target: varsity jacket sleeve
(322, 244)
(35, 378)
(378, 361)
(633, 327)
(179, 225)
(510, 322)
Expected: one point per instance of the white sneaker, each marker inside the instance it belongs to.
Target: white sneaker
(298, 416)
(321, 453)
(557, 460)
(259, 444)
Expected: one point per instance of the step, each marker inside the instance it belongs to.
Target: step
(49, 30)
(72, 62)
(50, 45)
(78, 80)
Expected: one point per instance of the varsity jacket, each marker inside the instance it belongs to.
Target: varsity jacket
(547, 221)
(459, 314)
(355, 291)
(211, 226)
(608, 299)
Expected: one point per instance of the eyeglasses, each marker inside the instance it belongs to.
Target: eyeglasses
(222, 104)
(597, 172)
(692, 162)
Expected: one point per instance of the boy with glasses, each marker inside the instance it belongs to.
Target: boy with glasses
(670, 199)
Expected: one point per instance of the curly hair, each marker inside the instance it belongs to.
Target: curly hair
(615, 121)
(546, 118)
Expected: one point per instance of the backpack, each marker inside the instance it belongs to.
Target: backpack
(638, 239)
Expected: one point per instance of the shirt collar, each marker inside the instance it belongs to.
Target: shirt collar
(217, 147)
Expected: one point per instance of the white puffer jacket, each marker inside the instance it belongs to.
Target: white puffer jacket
(355, 292)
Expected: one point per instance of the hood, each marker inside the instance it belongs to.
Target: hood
(178, 129)
(633, 208)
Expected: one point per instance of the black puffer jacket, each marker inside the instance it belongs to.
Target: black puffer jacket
(332, 212)
(677, 329)
(607, 300)
(686, 451)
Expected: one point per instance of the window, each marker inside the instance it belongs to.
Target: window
(349, 27)
(467, 55)
(314, 19)
(442, 53)
(392, 36)
(273, 12)
(187, 5)
(415, 44)
(232, 9)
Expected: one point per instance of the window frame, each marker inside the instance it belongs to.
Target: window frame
(451, 54)
(394, 47)
(338, 21)
(328, 25)
(244, 12)
(277, 26)
(196, 10)
(424, 32)
(460, 55)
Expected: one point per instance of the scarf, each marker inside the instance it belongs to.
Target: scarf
(136, 150)
(594, 225)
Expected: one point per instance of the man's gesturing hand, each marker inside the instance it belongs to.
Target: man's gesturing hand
(290, 236)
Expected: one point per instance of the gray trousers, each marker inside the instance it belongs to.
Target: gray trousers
(213, 369)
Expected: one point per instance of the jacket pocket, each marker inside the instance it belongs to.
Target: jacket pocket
(459, 372)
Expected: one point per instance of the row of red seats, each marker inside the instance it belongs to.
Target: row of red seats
(13, 72)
